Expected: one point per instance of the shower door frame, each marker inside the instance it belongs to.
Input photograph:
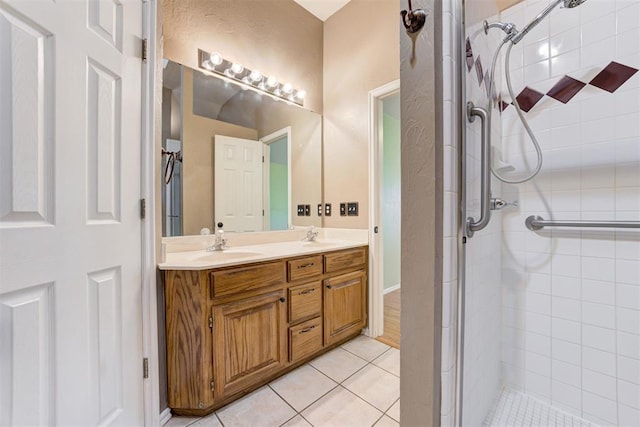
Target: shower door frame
(462, 214)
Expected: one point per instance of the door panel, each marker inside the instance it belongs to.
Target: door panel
(70, 274)
(238, 178)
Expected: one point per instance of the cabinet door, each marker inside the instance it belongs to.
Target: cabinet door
(345, 303)
(249, 341)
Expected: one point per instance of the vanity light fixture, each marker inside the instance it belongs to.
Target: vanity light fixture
(253, 79)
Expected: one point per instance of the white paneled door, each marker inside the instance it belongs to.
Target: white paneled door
(70, 230)
(238, 179)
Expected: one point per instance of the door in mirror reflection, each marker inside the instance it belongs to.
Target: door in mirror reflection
(238, 172)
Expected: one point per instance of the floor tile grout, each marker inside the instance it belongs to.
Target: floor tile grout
(336, 385)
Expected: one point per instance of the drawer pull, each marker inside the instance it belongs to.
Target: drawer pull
(308, 329)
(309, 264)
(307, 291)
(283, 299)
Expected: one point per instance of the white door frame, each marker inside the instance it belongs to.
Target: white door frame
(266, 140)
(376, 244)
(151, 385)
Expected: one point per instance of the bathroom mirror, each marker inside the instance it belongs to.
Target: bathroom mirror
(235, 156)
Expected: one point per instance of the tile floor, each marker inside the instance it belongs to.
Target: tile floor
(357, 384)
(514, 408)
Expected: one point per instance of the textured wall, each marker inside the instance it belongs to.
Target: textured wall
(360, 54)
(421, 252)
(277, 37)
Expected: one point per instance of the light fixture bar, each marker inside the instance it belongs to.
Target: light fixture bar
(254, 79)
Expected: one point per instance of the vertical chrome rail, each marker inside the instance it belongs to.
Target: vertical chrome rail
(485, 173)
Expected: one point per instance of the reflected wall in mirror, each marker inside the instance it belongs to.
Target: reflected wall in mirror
(245, 159)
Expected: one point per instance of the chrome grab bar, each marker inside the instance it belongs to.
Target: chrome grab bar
(485, 173)
(535, 223)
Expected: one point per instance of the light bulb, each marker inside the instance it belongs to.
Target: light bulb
(272, 82)
(255, 76)
(301, 94)
(287, 88)
(236, 68)
(215, 58)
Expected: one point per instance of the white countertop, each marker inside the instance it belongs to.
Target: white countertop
(200, 259)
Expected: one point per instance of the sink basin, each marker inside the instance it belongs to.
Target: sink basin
(225, 255)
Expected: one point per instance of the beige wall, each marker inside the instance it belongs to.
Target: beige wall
(361, 53)
(421, 245)
(306, 156)
(197, 160)
(277, 37)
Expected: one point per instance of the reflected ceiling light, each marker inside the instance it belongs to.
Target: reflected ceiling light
(249, 79)
(255, 76)
(236, 68)
(272, 82)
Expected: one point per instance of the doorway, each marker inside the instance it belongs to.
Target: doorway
(385, 216)
(277, 180)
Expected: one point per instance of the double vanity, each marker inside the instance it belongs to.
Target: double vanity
(238, 318)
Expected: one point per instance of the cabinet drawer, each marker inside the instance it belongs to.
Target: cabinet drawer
(304, 268)
(245, 279)
(344, 259)
(305, 301)
(305, 339)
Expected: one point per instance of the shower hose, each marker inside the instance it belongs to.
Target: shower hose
(523, 119)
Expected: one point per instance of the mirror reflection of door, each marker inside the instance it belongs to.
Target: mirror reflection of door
(238, 178)
(277, 180)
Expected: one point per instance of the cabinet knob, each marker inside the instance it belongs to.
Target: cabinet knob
(329, 286)
(282, 299)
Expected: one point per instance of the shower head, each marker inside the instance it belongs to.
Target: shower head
(566, 3)
(573, 3)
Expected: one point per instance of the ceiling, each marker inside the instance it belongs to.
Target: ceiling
(323, 9)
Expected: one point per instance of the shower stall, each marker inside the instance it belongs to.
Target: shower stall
(542, 312)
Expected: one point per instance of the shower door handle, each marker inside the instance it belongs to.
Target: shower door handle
(485, 170)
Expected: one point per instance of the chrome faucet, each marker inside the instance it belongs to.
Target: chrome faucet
(221, 242)
(311, 236)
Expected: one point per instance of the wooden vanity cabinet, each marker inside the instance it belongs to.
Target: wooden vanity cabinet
(232, 329)
(249, 341)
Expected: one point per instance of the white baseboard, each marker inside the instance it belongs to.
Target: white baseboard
(165, 416)
(391, 289)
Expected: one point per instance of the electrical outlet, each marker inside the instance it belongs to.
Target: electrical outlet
(327, 209)
(319, 209)
(300, 210)
(352, 208)
(307, 210)
(343, 209)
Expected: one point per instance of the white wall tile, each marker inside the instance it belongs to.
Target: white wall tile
(629, 394)
(571, 298)
(566, 352)
(567, 396)
(600, 407)
(566, 330)
(599, 315)
(598, 338)
(567, 373)
(599, 361)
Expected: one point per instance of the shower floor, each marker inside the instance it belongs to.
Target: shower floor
(515, 409)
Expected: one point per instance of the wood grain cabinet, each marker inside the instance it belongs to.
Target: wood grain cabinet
(233, 329)
(249, 341)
